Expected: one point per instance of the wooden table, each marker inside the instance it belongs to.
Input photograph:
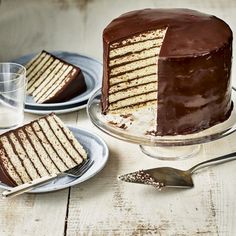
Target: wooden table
(102, 205)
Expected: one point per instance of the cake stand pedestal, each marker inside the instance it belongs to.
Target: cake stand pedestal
(160, 147)
(171, 153)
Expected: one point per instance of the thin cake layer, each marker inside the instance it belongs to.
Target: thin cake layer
(43, 147)
(51, 79)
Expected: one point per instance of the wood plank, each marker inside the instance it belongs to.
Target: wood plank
(34, 214)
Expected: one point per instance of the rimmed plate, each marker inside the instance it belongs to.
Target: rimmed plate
(59, 110)
(97, 150)
(91, 68)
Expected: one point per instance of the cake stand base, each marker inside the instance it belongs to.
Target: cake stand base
(171, 153)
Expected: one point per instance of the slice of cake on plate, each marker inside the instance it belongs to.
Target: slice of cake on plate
(52, 80)
(43, 147)
(175, 62)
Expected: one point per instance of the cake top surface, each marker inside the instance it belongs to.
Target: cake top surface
(189, 32)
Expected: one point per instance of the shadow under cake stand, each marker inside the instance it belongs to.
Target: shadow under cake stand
(127, 128)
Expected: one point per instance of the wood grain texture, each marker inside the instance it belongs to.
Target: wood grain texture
(31, 214)
(103, 205)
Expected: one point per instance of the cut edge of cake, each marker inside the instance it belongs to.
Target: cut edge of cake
(133, 75)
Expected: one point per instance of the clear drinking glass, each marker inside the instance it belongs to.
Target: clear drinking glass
(12, 94)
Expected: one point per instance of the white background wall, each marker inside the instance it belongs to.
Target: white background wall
(76, 25)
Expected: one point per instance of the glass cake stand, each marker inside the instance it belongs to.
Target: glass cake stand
(127, 128)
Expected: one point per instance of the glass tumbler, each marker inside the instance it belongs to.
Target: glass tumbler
(12, 94)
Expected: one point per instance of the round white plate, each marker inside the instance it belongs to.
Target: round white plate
(97, 151)
(91, 68)
(61, 110)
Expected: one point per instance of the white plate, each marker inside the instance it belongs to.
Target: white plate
(61, 110)
(97, 150)
(91, 68)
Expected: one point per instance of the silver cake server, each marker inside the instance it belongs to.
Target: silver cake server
(171, 177)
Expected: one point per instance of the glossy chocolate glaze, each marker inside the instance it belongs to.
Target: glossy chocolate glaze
(194, 90)
(4, 176)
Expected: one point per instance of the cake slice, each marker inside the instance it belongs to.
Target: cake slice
(43, 147)
(52, 80)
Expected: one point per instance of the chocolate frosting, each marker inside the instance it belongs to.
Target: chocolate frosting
(194, 66)
(4, 176)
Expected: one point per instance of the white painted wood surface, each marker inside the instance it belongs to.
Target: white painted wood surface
(102, 205)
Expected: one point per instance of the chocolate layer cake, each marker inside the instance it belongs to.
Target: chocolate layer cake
(176, 61)
(51, 79)
(40, 148)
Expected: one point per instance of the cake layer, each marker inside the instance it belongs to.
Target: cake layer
(129, 92)
(53, 86)
(26, 161)
(51, 79)
(131, 66)
(52, 152)
(36, 81)
(152, 34)
(12, 177)
(132, 83)
(36, 63)
(19, 172)
(147, 53)
(135, 47)
(132, 108)
(133, 73)
(41, 148)
(143, 98)
(139, 73)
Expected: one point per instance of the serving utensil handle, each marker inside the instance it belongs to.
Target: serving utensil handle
(27, 186)
(214, 161)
